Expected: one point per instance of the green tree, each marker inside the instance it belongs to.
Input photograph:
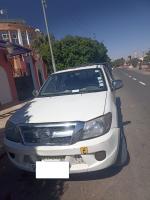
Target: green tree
(72, 51)
(147, 58)
(134, 62)
(118, 62)
(40, 46)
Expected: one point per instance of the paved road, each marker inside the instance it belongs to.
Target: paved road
(129, 183)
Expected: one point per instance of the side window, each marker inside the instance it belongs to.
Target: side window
(110, 77)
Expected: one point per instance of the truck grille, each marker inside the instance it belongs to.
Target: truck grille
(51, 134)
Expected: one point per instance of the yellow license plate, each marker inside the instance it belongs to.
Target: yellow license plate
(84, 150)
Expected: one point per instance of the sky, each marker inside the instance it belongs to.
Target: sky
(122, 25)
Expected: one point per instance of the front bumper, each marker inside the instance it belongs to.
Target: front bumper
(25, 157)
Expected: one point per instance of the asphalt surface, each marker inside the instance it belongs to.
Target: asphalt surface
(128, 183)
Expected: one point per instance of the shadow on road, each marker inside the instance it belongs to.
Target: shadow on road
(7, 114)
(18, 185)
(111, 171)
(2, 152)
(121, 125)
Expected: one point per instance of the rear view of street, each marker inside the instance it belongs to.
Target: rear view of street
(127, 183)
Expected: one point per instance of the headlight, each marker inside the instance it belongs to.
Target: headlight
(97, 127)
(12, 132)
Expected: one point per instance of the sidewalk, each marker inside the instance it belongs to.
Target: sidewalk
(4, 116)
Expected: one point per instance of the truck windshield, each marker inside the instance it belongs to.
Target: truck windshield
(77, 81)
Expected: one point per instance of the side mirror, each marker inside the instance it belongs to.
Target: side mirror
(117, 84)
(35, 93)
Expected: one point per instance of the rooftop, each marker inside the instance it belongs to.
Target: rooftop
(17, 21)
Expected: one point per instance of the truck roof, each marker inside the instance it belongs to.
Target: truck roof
(80, 68)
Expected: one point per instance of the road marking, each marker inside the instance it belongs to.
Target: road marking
(134, 79)
(142, 83)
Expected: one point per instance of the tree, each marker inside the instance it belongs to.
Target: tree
(134, 62)
(118, 62)
(72, 51)
(147, 58)
(40, 46)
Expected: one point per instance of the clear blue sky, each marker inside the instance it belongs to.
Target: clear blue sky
(123, 25)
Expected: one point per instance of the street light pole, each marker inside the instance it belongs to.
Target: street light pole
(49, 39)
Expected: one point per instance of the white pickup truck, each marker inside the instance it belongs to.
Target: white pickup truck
(73, 119)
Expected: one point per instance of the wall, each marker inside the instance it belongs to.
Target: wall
(5, 92)
(7, 85)
(35, 65)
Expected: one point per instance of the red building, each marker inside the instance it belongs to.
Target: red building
(20, 70)
(33, 70)
(17, 32)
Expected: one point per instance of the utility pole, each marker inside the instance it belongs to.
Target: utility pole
(48, 35)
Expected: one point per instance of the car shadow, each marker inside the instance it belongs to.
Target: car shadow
(121, 125)
(2, 150)
(111, 171)
(22, 114)
(7, 114)
(16, 184)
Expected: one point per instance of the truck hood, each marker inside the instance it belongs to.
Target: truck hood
(77, 107)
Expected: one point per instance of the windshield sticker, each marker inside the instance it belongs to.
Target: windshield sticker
(74, 91)
(100, 81)
(101, 84)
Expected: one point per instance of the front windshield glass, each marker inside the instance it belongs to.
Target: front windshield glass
(77, 81)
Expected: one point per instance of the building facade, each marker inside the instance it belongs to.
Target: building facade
(20, 65)
(17, 32)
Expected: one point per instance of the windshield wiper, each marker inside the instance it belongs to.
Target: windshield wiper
(55, 93)
(90, 89)
(75, 91)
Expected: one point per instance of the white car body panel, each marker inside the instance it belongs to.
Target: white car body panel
(108, 142)
(76, 107)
